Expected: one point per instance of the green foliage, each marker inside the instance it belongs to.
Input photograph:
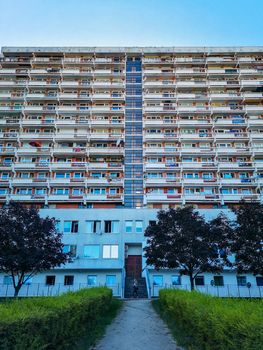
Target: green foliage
(210, 323)
(52, 322)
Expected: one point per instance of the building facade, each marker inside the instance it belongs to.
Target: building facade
(127, 129)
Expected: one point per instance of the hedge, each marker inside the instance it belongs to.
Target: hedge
(51, 322)
(211, 323)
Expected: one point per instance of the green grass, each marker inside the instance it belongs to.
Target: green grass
(203, 322)
(56, 322)
(100, 327)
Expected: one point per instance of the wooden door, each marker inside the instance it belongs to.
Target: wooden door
(133, 265)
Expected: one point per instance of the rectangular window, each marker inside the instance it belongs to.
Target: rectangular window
(111, 226)
(157, 280)
(176, 280)
(68, 280)
(219, 281)
(92, 251)
(111, 280)
(71, 249)
(199, 281)
(138, 226)
(93, 226)
(241, 281)
(110, 251)
(92, 280)
(71, 226)
(128, 226)
(259, 281)
(50, 280)
(7, 280)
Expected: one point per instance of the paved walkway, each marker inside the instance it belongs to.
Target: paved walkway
(137, 327)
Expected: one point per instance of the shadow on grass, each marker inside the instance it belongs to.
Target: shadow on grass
(181, 337)
(99, 330)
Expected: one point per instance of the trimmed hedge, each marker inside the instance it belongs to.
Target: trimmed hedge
(51, 322)
(211, 323)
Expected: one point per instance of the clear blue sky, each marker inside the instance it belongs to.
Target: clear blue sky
(131, 22)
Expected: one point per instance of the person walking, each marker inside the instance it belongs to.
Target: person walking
(135, 288)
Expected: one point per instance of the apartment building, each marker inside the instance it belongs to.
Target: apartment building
(130, 128)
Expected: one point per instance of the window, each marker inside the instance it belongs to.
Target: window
(219, 281)
(111, 226)
(138, 226)
(93, 226)
(110, 251)
(58, 225)
(128, 226)
(176, 280)
(7, 280)
(157, 280)
(92, 280)
(71, 249)
(199, 281)
(50, 280)
(241, 281)
(68, 280)
(111, 280)
(71, 226)
(259, 281)
(92, 251)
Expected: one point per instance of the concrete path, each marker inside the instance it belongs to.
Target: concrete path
(137, 327)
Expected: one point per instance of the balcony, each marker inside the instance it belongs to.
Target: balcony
(201, 197)
(234, 198)
(163, 198)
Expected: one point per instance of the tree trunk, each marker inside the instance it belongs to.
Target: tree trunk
(17, 289)
(192, 282)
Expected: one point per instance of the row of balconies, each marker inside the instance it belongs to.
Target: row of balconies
(203, 59)
(207, 109)
(71, 165)
(62, 109)
(213, 165)
(61, 84)
(211, 122)
(201, 71)
(60, 72)
(63, 197)
(206, 96)
(213, 181)
(201, 83)
(62, 96)
(63, 60)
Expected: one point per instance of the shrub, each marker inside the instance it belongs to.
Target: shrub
(212, 323)
(51, 322)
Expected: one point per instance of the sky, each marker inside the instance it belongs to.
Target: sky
(131, 22)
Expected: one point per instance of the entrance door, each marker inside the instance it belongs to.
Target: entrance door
(133, 266)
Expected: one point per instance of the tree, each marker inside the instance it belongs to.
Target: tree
(247, 238)
(182, 239)
(29, 244)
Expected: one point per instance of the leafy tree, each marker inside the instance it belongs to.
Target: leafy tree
(181, 238)
(247, 238)
(29, 244)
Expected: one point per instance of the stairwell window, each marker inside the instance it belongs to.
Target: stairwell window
(128, 226)
(110, 251)
(138, 226)
(71, 226)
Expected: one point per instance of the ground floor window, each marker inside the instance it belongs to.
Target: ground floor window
(176, 280)
(199, 281)
(68, 280)
(241, 281)
(218, 281)
(92, 280)
(7, 280)
(259, 281)
(111, 280)
(157, 280)
(50, 280)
